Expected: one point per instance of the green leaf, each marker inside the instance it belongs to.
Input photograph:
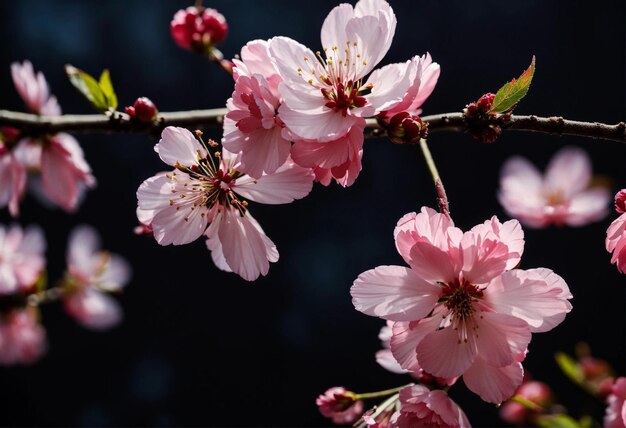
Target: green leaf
(570, 368)
(512, 93)
(92, 89)
(107, 89)
(557, 421)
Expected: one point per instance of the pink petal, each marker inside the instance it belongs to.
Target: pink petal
(428, 80)
(395, 293)
(386, 360)
(431, 264)
(510, 233)
(247, 250)
(588, 206)
(322, 124)
(406, 337)
(117, 273)
(215, 246)
(447, 410)
(12, 181)
(371, 35)
(493, 384)
(378, 8)
(265, 151)
(390, 85)
(441, 353)
(500, 338)
(334, 27)
(569, 172)
(323, 155)
(482, 257)
(256, 56)
(93, 309)
(179, 145)
(288, 183)
(83, 245)
(289, 56)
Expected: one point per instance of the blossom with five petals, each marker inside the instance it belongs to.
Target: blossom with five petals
(562, 196)
(201, 197)
(91, 274)
(461, 309)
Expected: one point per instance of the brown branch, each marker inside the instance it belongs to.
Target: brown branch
(454, 122)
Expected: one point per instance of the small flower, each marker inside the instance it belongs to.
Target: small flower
(615, 415)
(202, 197)
(533, 391)
(143, 110)
(461, 309)
(198, 29)
(22, 337)
(562, 196)
(252, 127)
(34, 90)
(340, 405)
(21, 258)
(91, 275)
(420, 406)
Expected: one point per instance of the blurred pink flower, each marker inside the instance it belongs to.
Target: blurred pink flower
(91, 275)
(340, 405)
(34, 90)
(57, 163)
(615, 415)
(251, 126)
(616, 234)
(326, 97)
(536, 392)
(21, 258)
(562, 196)
(200, 197)
(22, 337)
(459, 285)
(421, 407)
(198, 29)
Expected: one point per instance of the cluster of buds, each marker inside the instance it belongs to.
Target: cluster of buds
(143, 110)
(198, 29)
(482, 124)
(405, 128)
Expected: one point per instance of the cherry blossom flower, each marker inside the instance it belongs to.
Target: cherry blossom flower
(198, 29)
(200, 197)
(251, 126)
(326, 96)
(616, 234)
(21, 258)
(92, 274)
(562, 196)
(22, 337)
(420, 406)
(60, 172)
(615, 415)
(461, 309)
(340, 405)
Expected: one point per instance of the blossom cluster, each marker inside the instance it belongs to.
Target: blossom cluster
(52, 166)
(84, 290)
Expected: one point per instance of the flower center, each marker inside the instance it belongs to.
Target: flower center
(459, 297)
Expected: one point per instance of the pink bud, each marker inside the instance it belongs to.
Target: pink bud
(198, 29)
(620, 201)
(9, 135)
(143, 110)
(340, 405)
(404, 128)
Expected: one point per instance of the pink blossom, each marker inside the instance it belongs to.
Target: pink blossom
(92, 273)
(12, 180)
(21, 258)
(34, 90)
(616, 234)
(251, 126)
(198, 29)
(459, 310)
(326, 96)
(22, 338)
(562, 196)
(420, 406)
(615, 415)
(536, 392)
(340, 405)
(201, 197)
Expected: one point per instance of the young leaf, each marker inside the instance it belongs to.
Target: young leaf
(107, 89)
(569, 367)
(512, 93)
(100, 94)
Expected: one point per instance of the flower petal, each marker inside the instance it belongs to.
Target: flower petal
(179, 145)
(493, 384)
(569, 172)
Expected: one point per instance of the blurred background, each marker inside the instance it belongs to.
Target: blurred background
(202, 347)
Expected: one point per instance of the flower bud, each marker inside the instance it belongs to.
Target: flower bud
(340, 405)
(9, 135)
(143, 110)
(403, 128)
(198, 29)
(481, 124)
(620, 201)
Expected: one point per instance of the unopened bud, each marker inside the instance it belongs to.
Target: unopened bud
(143, 110)
(340, 405)
(481, 124)
(403, 128)
(198, 29)
(620, 201)
(9, 135)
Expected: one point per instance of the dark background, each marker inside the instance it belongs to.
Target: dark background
(202, 347)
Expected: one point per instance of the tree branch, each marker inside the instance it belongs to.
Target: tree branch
(32, 124)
